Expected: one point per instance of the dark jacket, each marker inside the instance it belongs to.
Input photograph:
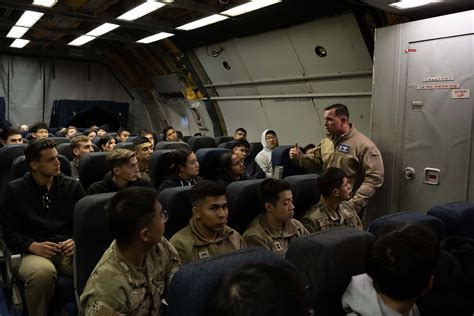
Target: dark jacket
(252, 169)
(172, 181)
(27, 217)
(107, 185)
(225, 179)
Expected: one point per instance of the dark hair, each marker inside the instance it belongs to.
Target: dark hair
(36, 127)
(269, 191)
(120, 131)
(129, 211)
(34, 148)
(104, 140)
(225, 163)
(138, 141)
(259, 289)
(179, 134)
(165, 131)
(9, 131)
(205, 188)
(179, 158)
(144, 132)
(341, 109)
(88, 131)
(329, 180)
(241, 143)
(119, 157)
(76, 140)
(241, 129)
(402, 262)
(270, 131)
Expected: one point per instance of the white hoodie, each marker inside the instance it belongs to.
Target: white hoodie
(264, 157)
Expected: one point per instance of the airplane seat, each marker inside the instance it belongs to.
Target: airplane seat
(113, 134)
(227, 145)
(255, 148)
(328, 259)
(20, 167)
(65, 150)
(223, 139)
(198, 142)
(59, 140)
(305, 192)
(92, 168)
(458, 218)
(281, 157)
(385, 223)
(130, 139)
(192, 285)
(177, 202)
(52, 130)
(209, 161)
(92, 236)
(51, 135)
(96, 140)
(126, 145)
(186, 138)
(96, 148)
(171, 145)
(243, 202)
(8, 154)
(160, 162)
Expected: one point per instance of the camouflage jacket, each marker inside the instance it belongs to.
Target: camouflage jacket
(261, 234)
(117, 288)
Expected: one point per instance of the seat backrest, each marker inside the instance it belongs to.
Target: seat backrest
(8, 154)
(223, 139)
(458, 218)
(186, 138)
(92, 168)
(209, 161)
(20, 167)
(243, 202)
(171, 145)
(228, 145)
(65, 150)
(177, 202)
(59, 140)
(198, 142)
(91, 234)
(281, 157)
(192, 285)
(305, 192)
(160, 162)
(255, 148)
(127, 145)
(328, 259)
(385, 223)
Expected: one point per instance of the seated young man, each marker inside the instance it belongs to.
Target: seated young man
(252, 169)
(143, 148)
(264, 157)
(11, 136)
(275, 227)
(80, 146)
(123, 134)
(207, 233)
(332, 210)
(169, 134)
(400, 268)
(133, 274)
(240, 134)
(123, 166)
(38, 130)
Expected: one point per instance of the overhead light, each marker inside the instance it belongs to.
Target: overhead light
(81, 40)
(29, 18)
(19, 43)
(202, 22)
(141, 10)
(45, 3)
(249, 6)
(17, 31)
(154, 38)
(407, 4)
(101, 30)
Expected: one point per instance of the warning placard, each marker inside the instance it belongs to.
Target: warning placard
(460, 94)
(438, 86)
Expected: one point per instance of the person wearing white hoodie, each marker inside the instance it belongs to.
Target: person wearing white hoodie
(264, 157)
(400, 268)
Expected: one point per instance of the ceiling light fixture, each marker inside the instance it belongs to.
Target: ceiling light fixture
(17, 31)
(249, 6)
(141, 10)
(103, 29)
(29, 18)
(408, 4)
(154, 38)
(45, 3)
(81, 40)
(202, 22)
(19, 43)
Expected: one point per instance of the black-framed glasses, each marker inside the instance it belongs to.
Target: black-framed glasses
(47, 200)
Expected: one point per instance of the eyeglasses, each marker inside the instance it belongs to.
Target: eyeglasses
(47, 199)
(270, 137)
(164, 216)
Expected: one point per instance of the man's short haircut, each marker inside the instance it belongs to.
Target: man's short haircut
(88, 131)
(341, 109)
(104, 140)
(144, 132)
(36, 127)
(34, 148)
(179, 158)
(259, 289)
(76, 140)
(402, 262)
(119, 157)
(269, 191)
(241, 143)
(138, 141)
(329, 180)
(241, 129)
(270, 131)
(120, 131)
(129, 211)
(165, 131)
(9, 131)
(201, 190)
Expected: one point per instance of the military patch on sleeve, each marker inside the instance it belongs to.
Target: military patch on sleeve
(278, 246)
(102, 309)
(203, 254)
(343, 148)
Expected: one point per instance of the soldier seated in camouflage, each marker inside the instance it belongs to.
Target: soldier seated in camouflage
(275, 227)
(207, 233)
(333, 209)
(132, 276)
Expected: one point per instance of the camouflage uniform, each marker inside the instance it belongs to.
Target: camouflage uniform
(354, 153)
(117, 288)
(192, 245)
(321, 217)
(144, 174)
(261, 234)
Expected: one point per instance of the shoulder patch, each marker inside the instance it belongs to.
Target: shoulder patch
(343, 148)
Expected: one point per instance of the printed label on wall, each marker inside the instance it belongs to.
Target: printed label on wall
(460, 93)
(438, 86)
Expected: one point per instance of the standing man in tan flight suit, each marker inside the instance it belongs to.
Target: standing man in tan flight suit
(346, 148)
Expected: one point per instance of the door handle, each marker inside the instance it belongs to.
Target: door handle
(409, 173)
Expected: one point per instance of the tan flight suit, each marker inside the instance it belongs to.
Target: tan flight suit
(354, 153)
(261, 234)
(322, 217)
(117, 288)
(192, 245)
